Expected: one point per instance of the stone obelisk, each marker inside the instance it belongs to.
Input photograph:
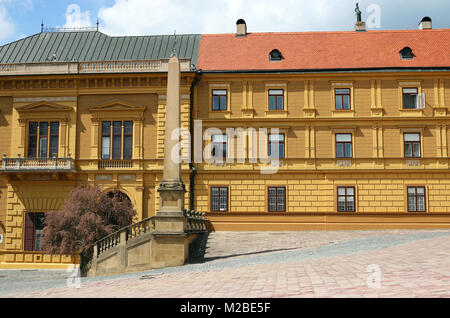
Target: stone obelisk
(170, 216)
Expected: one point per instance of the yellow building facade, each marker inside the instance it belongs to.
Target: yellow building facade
(311, 172)
(363, 138)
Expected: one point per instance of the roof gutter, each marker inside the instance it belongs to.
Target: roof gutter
(334, 70)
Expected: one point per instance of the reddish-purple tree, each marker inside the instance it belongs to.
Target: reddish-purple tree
(88, 215)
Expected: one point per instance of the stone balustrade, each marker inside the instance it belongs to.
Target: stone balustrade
(37, 164)
(196, 222)
(136, 247)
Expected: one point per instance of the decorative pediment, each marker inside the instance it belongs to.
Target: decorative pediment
(117, 105)
(43, 107)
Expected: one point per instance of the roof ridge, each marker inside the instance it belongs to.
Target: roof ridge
(329, 32)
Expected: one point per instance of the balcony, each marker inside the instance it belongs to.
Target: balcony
(37, 164)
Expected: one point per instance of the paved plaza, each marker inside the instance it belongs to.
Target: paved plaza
(397, 263)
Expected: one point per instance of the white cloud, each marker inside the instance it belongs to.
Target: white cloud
(7, 26)
(75, 18)
(203, 16)
(137, 17)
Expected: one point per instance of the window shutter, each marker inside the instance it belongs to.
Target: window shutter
(29, 232)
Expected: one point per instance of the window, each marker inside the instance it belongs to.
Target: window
(416, 199)
(117, 140)
(219, 146)
(406, 53)
(219, 199)
(344, 145)
(346, 199)
(34, 224)
(342, 98)
(43, 139)
(276, 99)
(412, 145)
(276, 146)
(410, 98)
(277, 199)
(275, 55)
(219, 100)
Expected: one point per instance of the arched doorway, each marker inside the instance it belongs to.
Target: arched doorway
(120, 196)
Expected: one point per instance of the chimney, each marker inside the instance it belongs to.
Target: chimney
(360, 26)
(426, 24)
(241, 28)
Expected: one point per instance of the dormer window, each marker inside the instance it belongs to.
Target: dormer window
(275, 55)
(406, 53)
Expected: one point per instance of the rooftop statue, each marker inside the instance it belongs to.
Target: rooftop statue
(358, 12)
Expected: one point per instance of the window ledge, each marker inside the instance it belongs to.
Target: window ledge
(218, 114)
(343, 113)
(411, 112)
(277, 113)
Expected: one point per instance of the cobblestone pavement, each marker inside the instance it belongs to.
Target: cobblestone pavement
(281, 265)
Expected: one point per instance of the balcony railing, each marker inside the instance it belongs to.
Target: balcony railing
(37, 164)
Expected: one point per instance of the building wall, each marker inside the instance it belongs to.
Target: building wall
(310, 172)
(119, 97)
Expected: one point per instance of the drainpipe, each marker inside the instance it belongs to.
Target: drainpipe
(195, 82)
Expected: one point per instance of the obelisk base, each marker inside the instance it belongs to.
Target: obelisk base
(170, 217)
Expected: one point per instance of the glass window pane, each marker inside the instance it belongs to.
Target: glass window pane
(346, 102)
(341, 191)
(280, 103)
(276, 92)
(410, 91)
(53, 146)
(421, 204)
(420, 191)
(219, 92)
(343, 91)
(413, 101)
(281, 192)
(412, 190)
(272, 103)
(117, 128)
(338, 102)
(340, 150)
(33, 128)
(350, 204)
(219, 138)
(105, 148)
(341, 204)
(43, 143)
(281, 152)
(350, 191)
(215, 103)
(408, 149)
(411, 203)
(127, 147)
(106, 128)
(117, 147)
(223, 103)
(215, 191)
(344, 137)
(412, 137)
(348, 150)
(43, 129)
(416, 149)
(54, 128)
(32, 147)
(128, 128)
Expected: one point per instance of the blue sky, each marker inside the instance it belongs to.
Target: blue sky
(20, 18)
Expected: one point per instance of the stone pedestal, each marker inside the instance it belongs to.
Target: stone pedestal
(360, 26)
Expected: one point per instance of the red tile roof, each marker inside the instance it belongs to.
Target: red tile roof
(324, 50)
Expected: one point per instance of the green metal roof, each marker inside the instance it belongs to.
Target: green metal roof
(89, 46)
